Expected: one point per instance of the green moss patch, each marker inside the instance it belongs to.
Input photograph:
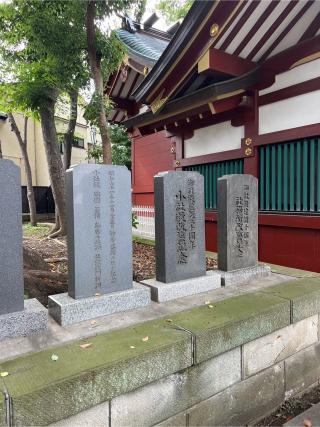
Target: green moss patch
(226, 324)
(303, 294)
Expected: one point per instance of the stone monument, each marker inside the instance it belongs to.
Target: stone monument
(180, 237)
(238, 230)
(17, 317)
(99, 246)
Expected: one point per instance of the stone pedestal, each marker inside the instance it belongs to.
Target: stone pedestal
(67, 310)
(31, 320)
(244, 275)
(17, 317)
(99, 246)
(179, 238)
(238, 230)
(161, 292)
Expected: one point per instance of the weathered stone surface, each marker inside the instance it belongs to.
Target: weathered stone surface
(99, 229)
(161, 292)
(302, 370)
(312, 414)
(226, 324)
(303, 294)
(179, 420)
(244, 275)
(98, 416)
(237, 222)
(115, 363)
(31, 320)
(164, 398)
(179, 226)
(67, 310)
(11, 263)
(242, 403)
(271, 349)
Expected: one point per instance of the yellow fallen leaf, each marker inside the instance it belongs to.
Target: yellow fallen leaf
(4, 374)
(169, 320)
(86, 345)
(210, 306)
(207, 302)
(54, 357)
(145, 339)
(97, 295)
(132, 346)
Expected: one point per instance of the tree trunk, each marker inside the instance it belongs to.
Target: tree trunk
(69, 135)
(23, 143)
(0, 150)
(55, 165)
(94, 59)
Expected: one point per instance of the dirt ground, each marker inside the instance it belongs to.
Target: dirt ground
(293, 407)
(54, 251)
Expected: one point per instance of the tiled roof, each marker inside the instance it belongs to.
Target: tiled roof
(142, 44)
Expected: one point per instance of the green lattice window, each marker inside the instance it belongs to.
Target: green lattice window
(290, 176)
(211, 173)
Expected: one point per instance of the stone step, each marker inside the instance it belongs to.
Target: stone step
(312, 414)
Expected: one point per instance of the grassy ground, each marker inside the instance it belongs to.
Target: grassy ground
(42, 230)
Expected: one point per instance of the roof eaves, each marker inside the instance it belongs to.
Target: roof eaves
(195, 16)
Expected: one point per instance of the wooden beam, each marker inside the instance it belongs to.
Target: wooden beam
(123, 103)
(218, 61)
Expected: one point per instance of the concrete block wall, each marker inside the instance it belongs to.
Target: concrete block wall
(226, 363)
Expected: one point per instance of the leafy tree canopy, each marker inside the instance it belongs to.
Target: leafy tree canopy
(174, 10)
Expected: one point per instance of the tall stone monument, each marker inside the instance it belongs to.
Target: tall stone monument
(238, 229)
(99, 246)
(17, 317)
(180, 237)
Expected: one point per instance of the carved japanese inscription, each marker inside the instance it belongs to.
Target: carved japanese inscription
(237, 222)
(179, 207)
(99, 229)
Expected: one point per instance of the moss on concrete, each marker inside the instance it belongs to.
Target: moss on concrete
(294, 272)
(44, 391)
(224, 325)
(303, 294)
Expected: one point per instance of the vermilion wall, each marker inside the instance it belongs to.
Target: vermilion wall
(150, 154)
(289, 240)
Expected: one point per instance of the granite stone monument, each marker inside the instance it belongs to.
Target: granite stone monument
(180, 237)
(99, 245)
(238, 229)
(17, 317)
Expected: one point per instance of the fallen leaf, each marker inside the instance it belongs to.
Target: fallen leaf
(54, 357)
(132, 346)
(169, 320)
(307, 423)
(210, 306)
(86, 345)
(207, 302)
(145, 339)
(4, 374)
(97, 295)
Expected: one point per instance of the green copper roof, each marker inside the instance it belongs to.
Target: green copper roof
(142, 44)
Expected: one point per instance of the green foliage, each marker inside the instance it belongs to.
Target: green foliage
(42, 51)
(120, 145)
(174, 10)
(92, 110)
(134, 221)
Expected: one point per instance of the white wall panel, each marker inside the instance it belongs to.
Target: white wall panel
(214, 139)
(290, 113)
(299, 74)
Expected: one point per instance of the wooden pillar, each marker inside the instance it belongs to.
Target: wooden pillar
(178, 143)
(251, 130)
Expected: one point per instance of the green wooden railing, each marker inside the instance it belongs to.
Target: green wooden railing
(290, 176)
(211, 173)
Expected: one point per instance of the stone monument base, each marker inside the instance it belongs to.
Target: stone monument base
(243, 275)
(67, 310)
(161, 292)
(33, 319)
